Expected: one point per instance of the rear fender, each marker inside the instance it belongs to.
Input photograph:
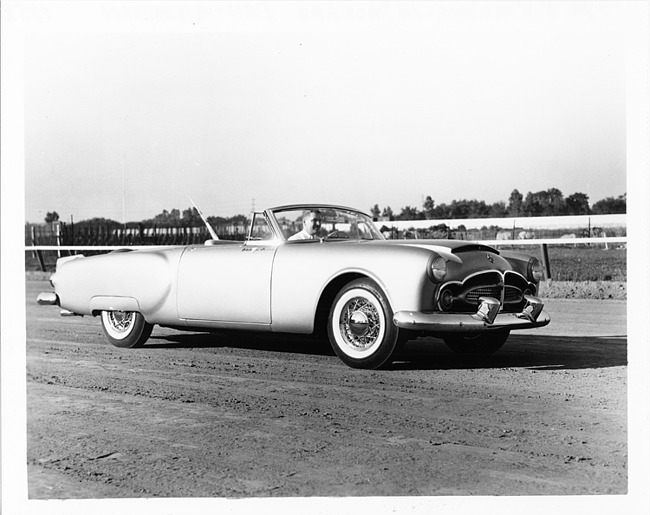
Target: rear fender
(140, 281)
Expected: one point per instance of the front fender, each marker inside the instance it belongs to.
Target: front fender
(301, 273)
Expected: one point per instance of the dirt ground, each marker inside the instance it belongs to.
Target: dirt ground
(242, 415)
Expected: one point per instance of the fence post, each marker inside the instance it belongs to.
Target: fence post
(64, 237)
(57, 230)
(545, 260)
(38, 253)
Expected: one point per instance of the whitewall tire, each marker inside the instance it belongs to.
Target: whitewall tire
(125, 328)
(360, 326)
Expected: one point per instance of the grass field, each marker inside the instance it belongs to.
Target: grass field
(585, 264)
(585, 272)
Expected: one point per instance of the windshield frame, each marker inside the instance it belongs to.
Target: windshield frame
(327, 210)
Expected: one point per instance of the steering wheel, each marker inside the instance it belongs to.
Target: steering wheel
(337, 235)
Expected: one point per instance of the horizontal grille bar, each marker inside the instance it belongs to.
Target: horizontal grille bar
(513, 295)
(488, 291)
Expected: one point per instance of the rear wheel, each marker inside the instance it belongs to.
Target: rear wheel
(360, 326)
(125, 328)
(478, 344)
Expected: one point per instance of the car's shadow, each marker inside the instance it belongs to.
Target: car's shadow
(521, 351)
(288, 343)
(534, 352)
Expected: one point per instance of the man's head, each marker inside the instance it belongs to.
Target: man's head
(311, 221)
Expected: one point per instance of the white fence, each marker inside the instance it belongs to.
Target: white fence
(525, 223)
(509, 226)
(558, 241)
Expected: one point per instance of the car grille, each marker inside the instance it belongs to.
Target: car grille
(488, 284)
(490, 291)
(513, 294)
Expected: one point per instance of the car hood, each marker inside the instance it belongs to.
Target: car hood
(449, 249)
(452, 245)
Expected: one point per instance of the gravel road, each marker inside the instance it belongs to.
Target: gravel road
(245, 415)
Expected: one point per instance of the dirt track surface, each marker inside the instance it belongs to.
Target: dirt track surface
(241, 415)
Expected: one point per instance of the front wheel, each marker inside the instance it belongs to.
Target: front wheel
(125, 328)
(479, 344)
(360, 326)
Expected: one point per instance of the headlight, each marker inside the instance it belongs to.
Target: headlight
(437, 269)
(535, 270)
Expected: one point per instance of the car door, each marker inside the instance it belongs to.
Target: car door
(229, 282)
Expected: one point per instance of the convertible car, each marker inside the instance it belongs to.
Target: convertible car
(310, 269)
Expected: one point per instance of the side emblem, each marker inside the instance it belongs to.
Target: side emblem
(490, 258)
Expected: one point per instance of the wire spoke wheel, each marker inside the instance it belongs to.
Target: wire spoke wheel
(120, 322)
(360, 326)
(125, 328)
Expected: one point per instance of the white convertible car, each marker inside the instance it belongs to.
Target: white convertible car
(310, 269)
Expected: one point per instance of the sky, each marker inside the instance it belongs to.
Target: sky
(357, 104)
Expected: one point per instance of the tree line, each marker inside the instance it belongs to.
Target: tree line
(175, 218)
(550, 202)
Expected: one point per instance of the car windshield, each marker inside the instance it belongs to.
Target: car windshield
(325, 223)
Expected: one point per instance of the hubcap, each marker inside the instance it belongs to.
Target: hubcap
(360, 323)
(121, 320)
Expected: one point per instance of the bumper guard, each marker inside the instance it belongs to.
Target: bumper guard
(486, 318)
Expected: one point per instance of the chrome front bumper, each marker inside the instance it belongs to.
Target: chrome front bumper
(487, 317)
